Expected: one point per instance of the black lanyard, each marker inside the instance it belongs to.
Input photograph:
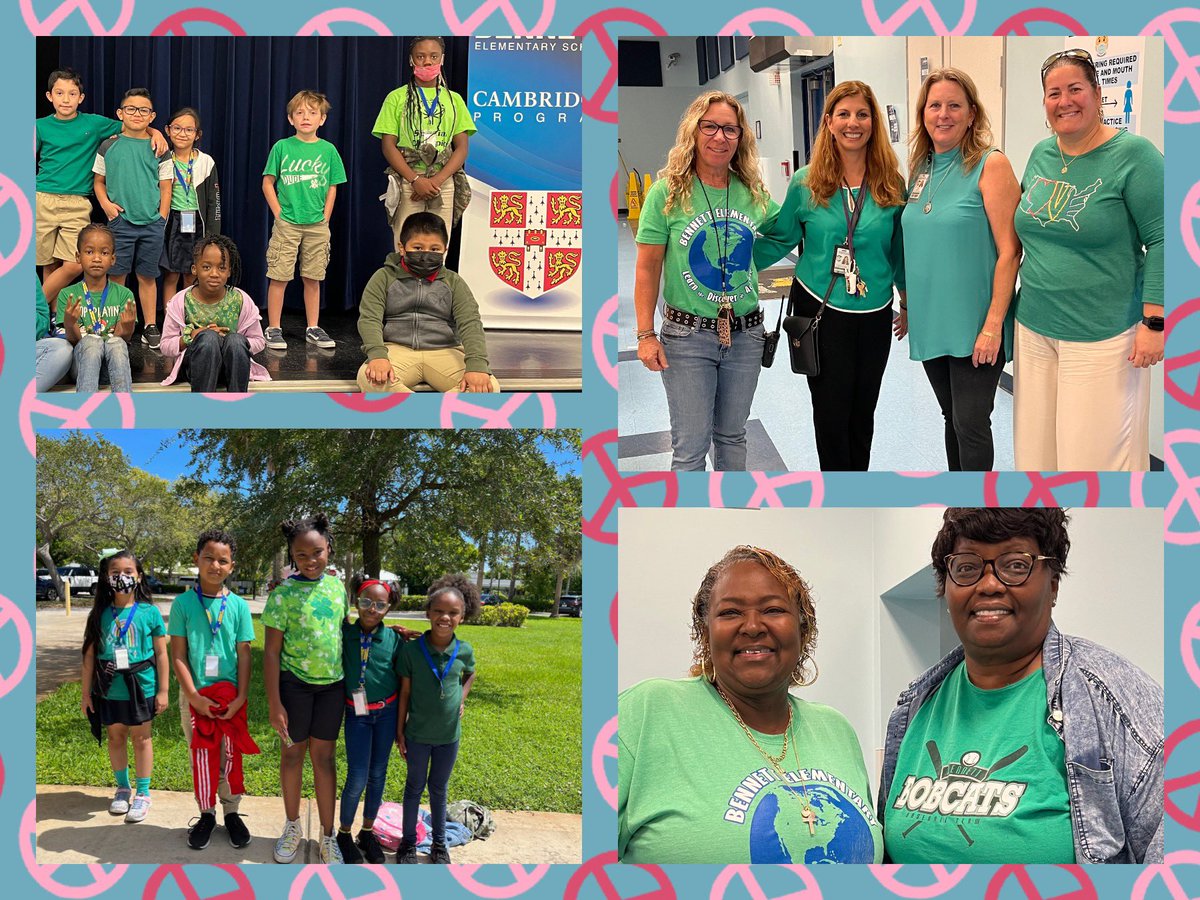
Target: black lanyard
(722, 251)
(847, 203)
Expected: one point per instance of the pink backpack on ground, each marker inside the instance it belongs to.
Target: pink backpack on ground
(389, 825)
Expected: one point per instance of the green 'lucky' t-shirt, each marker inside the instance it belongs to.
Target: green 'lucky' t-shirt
(441, 116)
(304, 172)
(309, 613)
(139, 640)
(193, 619)
(713, 237)
(66, 150)
(981, 778)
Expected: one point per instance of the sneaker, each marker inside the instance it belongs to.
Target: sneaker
(201, 831)
(316, 335)
(331, 853)
(239, 834)
(439, 854)
(120, 802)
(151, 336)
(369, 845)
(275, 339)
(137, 809)
(406, 853)
(345, 844)
(288, 844)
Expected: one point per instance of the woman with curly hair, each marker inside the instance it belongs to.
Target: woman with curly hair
(697, 228)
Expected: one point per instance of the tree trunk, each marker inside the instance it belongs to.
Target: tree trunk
(512, 574)
(558, 586)
(483, 547)
(370, 551)
(44, 557)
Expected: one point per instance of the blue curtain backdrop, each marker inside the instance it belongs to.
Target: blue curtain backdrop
(240, 87)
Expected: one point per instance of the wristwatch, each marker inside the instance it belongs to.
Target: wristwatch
(1154, 323)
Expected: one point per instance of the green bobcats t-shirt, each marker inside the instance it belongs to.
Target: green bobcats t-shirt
(66, 150)
(309, 613)
(139, 640)
(981, 778)
(703, 242)
(449, 117)
(190, 618)
(104, 312)
(691, 788)
(304, 172)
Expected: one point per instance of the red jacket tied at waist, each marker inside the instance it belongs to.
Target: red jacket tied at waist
(207, 733)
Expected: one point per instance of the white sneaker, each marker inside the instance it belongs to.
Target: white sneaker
(331, 853)
(137, 809)
(288, 844)
(120, 802)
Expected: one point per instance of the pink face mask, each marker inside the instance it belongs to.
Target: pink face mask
(428, 73)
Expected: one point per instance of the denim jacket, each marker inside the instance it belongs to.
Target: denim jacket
(1109, 715)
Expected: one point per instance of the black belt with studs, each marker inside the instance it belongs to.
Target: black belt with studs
(691, 320)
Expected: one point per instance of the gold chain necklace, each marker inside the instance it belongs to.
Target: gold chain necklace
(1066, 165)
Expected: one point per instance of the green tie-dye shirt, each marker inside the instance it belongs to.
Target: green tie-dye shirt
(309, 613)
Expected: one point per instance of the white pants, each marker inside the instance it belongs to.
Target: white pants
(1079, 406)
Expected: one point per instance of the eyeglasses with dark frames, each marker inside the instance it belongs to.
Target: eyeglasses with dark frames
(1076, 54)
(709, 127)
(137, 110)
(1012, 568)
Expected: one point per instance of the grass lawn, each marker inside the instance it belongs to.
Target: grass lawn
(521, 743)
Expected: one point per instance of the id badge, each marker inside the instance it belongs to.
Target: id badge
(359, 698)
(212, 665)
(843, 262)
(918, 186)
(121, 655)
(187, 221)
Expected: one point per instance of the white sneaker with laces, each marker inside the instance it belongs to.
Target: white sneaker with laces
(120, 802)
(137, 809)
(288, 844)
(331, 853)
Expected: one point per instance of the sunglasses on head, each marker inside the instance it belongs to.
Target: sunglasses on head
(1076, 54)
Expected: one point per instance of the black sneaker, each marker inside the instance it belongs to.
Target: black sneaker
(239, 834)
(151, 336)
(345, 843)
(200, 833)
(369, 845)
(439, 854)
(406, 853)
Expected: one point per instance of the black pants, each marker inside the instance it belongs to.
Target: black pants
(212, 356)
(966, 395)
(854, 350)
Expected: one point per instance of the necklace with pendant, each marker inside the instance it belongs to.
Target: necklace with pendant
(928, 207)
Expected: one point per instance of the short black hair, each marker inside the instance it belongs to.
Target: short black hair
(1047, 526)
(423, 223)
(65, 74)
(217, 536)
(136, 92)
(293, 528)
(90, 227)
(458, 585)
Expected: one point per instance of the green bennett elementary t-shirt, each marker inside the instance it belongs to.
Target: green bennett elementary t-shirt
(304, 172)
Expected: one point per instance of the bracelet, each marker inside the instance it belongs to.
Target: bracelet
(645, 336)
(987, 334)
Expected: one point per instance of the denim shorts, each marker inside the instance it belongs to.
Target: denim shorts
(138, 247)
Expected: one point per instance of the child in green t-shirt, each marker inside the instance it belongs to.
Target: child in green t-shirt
(300, 183)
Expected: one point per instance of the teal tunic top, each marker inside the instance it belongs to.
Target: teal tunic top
(950, 261)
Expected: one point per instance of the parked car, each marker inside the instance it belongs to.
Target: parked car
(491, 599)
(570, 605)
(45, 587)
(81, 578)
(156, 586)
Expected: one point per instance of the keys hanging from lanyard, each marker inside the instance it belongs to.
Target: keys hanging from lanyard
(844, 262)
(440, 676)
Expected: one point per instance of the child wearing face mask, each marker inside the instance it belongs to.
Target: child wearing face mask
(419, 321)
(124, 677)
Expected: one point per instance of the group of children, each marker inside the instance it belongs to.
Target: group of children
(418, 320)
(392, 685)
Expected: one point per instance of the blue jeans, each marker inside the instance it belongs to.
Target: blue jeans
(53, 361)
(212, 356)
(369, 742)
(709, 392)
(438, 761)
(97, 357)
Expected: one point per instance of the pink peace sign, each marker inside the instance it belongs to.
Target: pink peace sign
(810, 891)
(1166, 872)
(83, 7)
(1187, 222)
(324, 875)
(605, 748)
(766, 489)
(605, 326)
(597, 868)
(1085, 891)
(495, 418)
(360, 403)
(612, 612)
(103, 877)
(182, 878)
(70, 418)
(744, 23)
(1188, 819)
(1189, 398)
(620, 488)
(1185, 64)
(176, 23)
(906, 10)
(945, 878)
(1187, 644)
(323, 23)
(1018, 24)
(523, 880)
(1042, 488)
(470, 25)
(1186, 485)
(9, 191)
(595, 25)
(10, 612)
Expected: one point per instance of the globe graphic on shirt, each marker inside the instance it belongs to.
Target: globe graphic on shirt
(705, 256)
(842, 834)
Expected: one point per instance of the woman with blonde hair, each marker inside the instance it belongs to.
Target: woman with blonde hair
(842, 211)
(960, 255)
(697, 227)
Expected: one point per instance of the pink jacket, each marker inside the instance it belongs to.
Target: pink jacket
(249, 324)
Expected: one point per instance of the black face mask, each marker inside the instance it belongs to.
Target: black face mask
(422, 263)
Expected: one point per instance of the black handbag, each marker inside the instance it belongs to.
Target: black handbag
(802, 337)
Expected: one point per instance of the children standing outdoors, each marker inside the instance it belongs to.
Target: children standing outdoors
(419, 321)
(124, 677)
(436, 674)
(300, 183)
(133, 185)
(302, 669)
(195, 200)
(425, 128)
(211, 631)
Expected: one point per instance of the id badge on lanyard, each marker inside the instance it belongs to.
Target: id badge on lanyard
(121, 657)
(359, 698)
(187, 221)
(918, 186)
(212, 665)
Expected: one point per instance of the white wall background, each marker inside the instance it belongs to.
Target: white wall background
(868, 649)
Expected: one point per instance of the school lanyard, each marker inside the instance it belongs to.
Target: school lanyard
(440, 676)
(430, 107)
(214, 626)
(187, 185)
(123, 629)
(848, 206)
(97, 321)
(364, 653)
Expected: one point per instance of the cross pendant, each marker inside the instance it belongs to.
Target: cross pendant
(810, 818)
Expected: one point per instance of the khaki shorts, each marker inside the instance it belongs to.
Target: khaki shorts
(310, 241)
(58, 219)
(442, 370)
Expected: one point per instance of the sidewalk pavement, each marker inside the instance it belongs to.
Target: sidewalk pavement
(73, 826)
